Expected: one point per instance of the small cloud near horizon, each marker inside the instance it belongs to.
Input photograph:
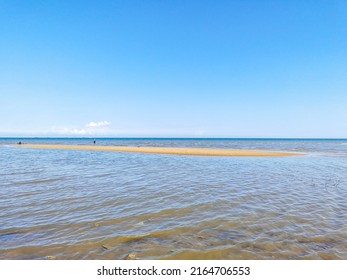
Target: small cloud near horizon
(98, 124)
(90, 128)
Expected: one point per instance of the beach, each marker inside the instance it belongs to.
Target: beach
(165, 150)
(65, 198)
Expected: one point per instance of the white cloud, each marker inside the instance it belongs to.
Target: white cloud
(98, 124)
(90, 128)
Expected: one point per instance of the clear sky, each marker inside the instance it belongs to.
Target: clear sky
(175, 68)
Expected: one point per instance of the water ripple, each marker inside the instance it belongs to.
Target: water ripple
(101, 205)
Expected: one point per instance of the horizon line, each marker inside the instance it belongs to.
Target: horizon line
(178, 138)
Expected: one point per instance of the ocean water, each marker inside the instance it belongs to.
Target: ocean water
(66, 204)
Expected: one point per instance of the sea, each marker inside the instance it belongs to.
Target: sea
(104, 205)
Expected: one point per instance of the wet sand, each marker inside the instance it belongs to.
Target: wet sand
(163, 150)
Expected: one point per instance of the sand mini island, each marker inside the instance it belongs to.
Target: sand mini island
(165, 150)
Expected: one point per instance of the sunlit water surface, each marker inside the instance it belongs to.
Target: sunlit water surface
(66, 204)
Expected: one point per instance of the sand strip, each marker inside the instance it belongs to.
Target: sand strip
(163, 150)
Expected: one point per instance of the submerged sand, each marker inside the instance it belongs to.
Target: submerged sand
(163, 150)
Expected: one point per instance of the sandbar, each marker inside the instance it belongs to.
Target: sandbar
(165, 150)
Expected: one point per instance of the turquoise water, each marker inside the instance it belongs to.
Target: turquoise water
(67, 204)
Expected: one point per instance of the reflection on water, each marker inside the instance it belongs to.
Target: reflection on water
(68, 204)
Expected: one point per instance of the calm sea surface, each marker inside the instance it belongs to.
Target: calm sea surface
(68, 204)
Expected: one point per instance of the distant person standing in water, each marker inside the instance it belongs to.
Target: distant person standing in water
(94, 142)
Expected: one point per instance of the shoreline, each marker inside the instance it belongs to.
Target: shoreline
(164, 150)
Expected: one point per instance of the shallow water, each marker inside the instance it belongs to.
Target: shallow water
(67, 204)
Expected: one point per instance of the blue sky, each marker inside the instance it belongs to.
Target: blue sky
(173, 68)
